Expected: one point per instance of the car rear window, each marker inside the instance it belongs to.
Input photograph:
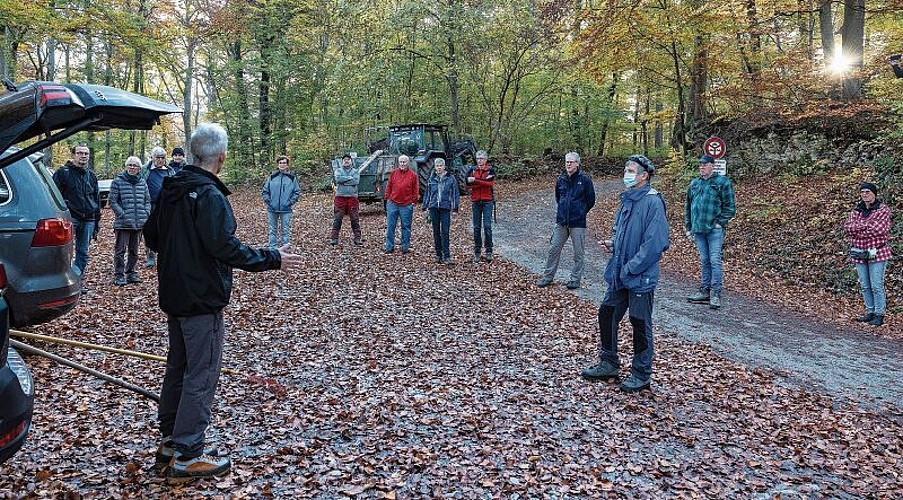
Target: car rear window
(47, 178)
(4, 188)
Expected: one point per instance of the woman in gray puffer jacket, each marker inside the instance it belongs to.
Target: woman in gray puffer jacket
(131, 202)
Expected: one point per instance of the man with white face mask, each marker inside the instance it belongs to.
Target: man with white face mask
(639, 237)
(575, 195)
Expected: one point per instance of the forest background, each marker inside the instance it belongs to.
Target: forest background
(528, 80)
(307, 78)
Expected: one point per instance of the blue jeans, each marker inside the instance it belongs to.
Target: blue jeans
(393, 213)
(871, 282)
(276, 220)
(83, 231)
(441, 225)
(709, 246)
(611, 312)
(482, 216)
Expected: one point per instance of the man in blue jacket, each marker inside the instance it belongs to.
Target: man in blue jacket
(576, 196)
(639, 238)
(192, 227)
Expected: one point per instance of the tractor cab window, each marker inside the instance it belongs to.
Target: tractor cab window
(406, 142)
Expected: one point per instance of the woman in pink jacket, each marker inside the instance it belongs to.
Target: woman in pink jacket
(868, 229)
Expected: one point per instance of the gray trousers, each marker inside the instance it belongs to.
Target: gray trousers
(192, 372)
(559, 237)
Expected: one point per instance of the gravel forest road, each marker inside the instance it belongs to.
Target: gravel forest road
(808, 354)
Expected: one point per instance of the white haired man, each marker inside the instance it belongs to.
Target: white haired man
(575, 195)
(193, 229)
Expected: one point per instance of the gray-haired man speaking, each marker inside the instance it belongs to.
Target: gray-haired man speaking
(193, 230)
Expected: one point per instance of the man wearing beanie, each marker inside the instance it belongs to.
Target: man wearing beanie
(177, 161)
(709, 207)
(868, 231)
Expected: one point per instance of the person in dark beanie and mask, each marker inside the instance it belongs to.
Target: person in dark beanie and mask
(177, 162)
(638, 239)
(710, 205)
(192, 227)
(868, 230)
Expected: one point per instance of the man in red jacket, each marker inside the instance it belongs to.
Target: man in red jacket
(402, 192)
(482, 202)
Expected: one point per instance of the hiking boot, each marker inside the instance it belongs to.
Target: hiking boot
(165, 452)
(133, 278)
(573, 285)
(182, 471)
(633, 384)
(333, 241)
(603, 371)
(488, 256)
(865, 318)
(437, 260)
(476, 258)
(388, 250)
(543, 283)
(878, 320)
(715, 300)
(151, 262)
(119, 282)
(447, 261)
(700, 297)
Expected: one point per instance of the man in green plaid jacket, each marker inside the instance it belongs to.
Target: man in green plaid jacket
(710, 205)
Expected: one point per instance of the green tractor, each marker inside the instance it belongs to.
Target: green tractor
(423, 143)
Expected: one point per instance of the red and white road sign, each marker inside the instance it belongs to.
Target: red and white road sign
(714, 147)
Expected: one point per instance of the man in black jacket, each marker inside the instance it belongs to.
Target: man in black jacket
(79, 188)
(193, 230)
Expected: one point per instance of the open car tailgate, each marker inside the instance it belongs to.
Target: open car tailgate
(57, 111)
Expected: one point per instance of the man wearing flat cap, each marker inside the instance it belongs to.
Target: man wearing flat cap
(345, 179)
(709, 207)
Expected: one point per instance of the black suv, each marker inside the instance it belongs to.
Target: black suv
(36, 240)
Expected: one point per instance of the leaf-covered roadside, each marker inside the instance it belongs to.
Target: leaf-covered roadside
(785, 246)
(405, 379)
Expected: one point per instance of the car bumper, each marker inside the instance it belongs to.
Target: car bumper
(17, 395)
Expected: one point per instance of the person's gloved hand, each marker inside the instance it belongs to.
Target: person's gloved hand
(690, 235)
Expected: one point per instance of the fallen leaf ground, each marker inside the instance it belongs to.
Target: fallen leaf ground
(400, 378)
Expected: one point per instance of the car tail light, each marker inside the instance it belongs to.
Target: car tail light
(54, 95)
(52, 233)
(13, 434)
(2, 277)
(18, 366)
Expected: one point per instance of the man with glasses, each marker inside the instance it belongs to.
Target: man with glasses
(157, 171)
(575, 195)
(78, 185)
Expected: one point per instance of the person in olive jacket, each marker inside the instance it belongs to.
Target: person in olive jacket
(130, 201)
(192, 227)
(280, 192)
(575, 195)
